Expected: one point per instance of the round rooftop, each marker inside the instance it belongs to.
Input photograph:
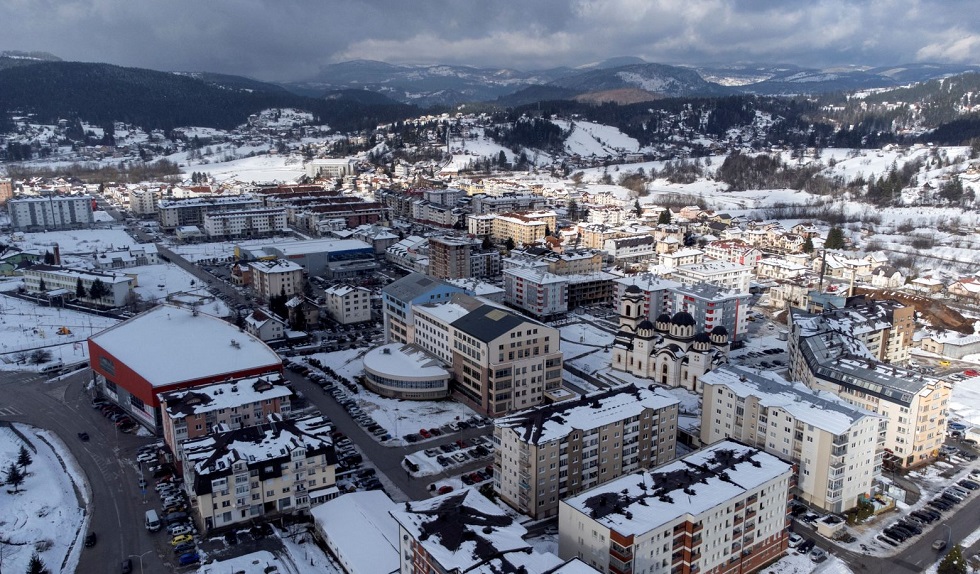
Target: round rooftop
(683, 319)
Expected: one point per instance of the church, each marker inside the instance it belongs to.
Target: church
(669, 351)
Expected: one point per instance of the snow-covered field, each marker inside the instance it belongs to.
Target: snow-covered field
(46, 515)
(260, 168)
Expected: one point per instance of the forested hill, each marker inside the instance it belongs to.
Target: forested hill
(100, 93)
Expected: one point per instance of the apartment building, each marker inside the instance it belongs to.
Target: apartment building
(523, 228)
(143, 201)
(192, 413)
(776, 268)
(449, 257)
(720, 273)
(464, 531)
(676, 259)
(347, 304)
(235, 476)
(637, 250)
(275, 277)
(399, 298)
(62, 281)
(132, 256)
(557, 450)
(829, 358)
(245, 223)
(6, 190)
(719, 510)
(570, 262)
(733, 250)
(174, 213)
(837, 447)
(50, 212)
(538, 293)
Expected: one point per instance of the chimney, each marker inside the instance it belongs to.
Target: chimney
(57, 255)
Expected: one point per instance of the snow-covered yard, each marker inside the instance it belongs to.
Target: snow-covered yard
(47, 514)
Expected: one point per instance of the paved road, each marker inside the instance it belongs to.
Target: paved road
(107, 460)
(916, 554)
(387, 459)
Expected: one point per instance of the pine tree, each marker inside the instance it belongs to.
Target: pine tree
(487, 243)
(953, 562)
(572, 209)
(36, 565)
(664, 218)
(79, 289)
(42, 286)
(98, 290)
(808, 245)
(638, 208)
(835, 238)
(509, 244)
(15, 477)
(24, 459)
(48, 258)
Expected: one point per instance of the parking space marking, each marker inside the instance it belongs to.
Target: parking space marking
(10, 411)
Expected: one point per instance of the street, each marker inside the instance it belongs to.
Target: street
(107, 460)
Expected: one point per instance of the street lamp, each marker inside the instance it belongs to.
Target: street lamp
(949, 533)
(140, 556)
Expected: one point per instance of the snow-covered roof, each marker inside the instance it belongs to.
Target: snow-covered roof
(462, 529)
(83, 274)
(555, 421)
(403, 360)
(224, 395)
(275, 266)
(360, 526)
(640, 502)
(313, 246)
(170, 344)
(822, 410)
(649, 282)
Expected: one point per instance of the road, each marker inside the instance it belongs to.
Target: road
(107, 461)
(386, 459)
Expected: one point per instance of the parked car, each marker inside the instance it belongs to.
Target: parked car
(180, 539)
(939, 545)
(189, 558)
(90, 539)
(127, 566)
(445, 489)
(818, 555)
(805, 546)
(966, 483)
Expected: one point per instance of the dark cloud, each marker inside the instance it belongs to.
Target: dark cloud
(292, 39)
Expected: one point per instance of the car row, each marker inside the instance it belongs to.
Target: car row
(116, 415)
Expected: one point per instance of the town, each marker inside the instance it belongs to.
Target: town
(298, 362)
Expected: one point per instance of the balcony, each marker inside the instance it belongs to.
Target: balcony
(751, 513)
(698, 527)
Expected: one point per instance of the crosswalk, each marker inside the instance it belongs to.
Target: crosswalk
(10, 411)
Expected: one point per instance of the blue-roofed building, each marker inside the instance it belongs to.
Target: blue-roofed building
(398, 297)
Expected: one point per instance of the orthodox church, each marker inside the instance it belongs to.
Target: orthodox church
(668, 351)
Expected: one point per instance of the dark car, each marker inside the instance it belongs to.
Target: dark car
(184, 547)
(83, 436)
(806, 546)
(90, 539)
(127, 566)
(965, 483)
(231, 538)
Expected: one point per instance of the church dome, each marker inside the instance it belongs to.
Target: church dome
(702, 338)
(720, 330)
(663, 318)
(683, 319)
(644, 324)
(633, 289)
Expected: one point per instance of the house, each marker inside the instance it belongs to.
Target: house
(347, 304)
(265, 326)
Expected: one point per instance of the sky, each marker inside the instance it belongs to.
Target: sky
(286, 40)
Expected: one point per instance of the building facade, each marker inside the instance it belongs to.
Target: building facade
(555, 451)
(719, 510)
(50, 212)
(347, 304)
(246, 223)
(48, 279)
(837, 447)
(276, 277)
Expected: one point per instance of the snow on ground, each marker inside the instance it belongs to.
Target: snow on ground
(75, 242)
(195, 252)
(396, 416)
(155, 282)
(46, 515)
(25, 326)
(587, 139)
(260, 168)
(467, 151)
(965, 402)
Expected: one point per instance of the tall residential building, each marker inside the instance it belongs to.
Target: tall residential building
(143, 201)
(275, 277)
(449, 257)
(837, 447)
(720, 510)
(721, 273)
(50, 212)
(245, 223)
(6, 190)
(557, 450)
(348, 304)
(174, 213)
(399, 297)
(830, 358)
(193, 413)
(236, 476)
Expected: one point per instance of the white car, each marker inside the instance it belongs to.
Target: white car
(818, 555)
(147, 457)
(795, 540)
(178, 529)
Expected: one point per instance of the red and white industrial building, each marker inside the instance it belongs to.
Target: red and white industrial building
(169, 348)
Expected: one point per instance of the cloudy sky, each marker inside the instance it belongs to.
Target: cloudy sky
(292, 39)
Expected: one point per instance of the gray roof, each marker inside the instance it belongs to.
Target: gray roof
(411, 286)
(488, 322)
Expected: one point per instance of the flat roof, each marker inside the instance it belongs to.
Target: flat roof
(360, 526)
(170, 344)
(403, 360)
(308, 247)
(224, 395)
(555, 421)
(713, 476)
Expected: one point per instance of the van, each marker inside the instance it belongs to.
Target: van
(152, 521)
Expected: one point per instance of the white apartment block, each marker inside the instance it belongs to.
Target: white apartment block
(52, 280)
(50, 212)
(720, 273)
(775, 268)
(143, 201)
(536, 292)
(174, 213)
(720, 510)
(554, 451)
(680, 257)
(275, 277)
(260, 222)
(235, 476)
(348, 304)
(915, 404)
(837, 447)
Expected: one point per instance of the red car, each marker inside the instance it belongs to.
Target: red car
(445, 489)
(424, 433)
(971, 373)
